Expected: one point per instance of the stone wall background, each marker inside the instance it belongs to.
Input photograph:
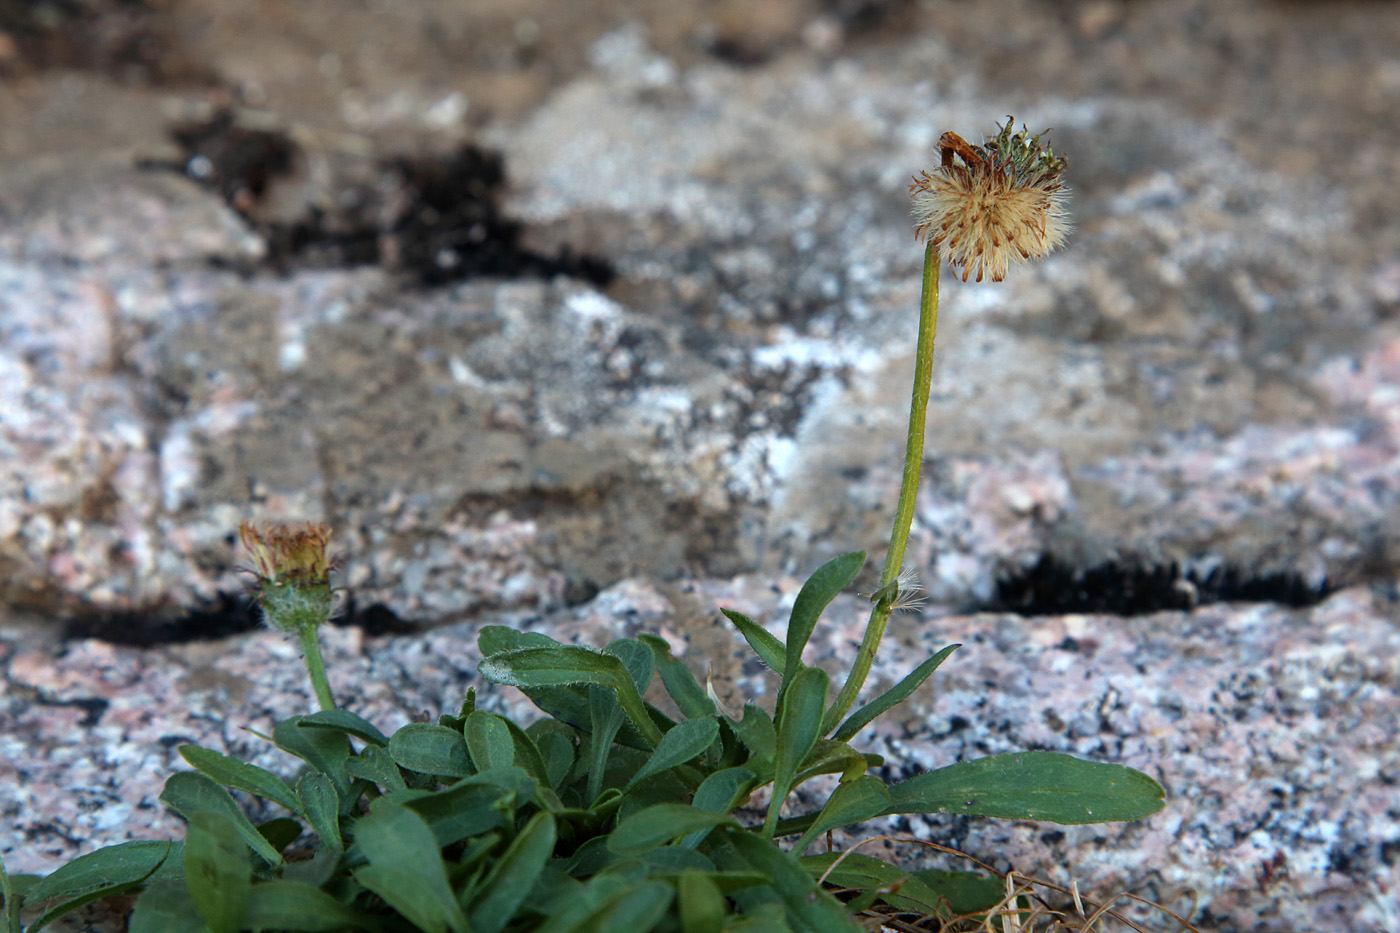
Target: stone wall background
(596, 316)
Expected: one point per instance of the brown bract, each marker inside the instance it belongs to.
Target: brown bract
(987, 207)
(284, 554)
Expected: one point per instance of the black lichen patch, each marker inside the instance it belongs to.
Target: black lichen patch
(435, 219)
(237, 162)
(131, 41)
(228, 614)
(1053, 587)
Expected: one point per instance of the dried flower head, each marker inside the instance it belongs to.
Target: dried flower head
(286, 555)
(293, 573)
(988, 206)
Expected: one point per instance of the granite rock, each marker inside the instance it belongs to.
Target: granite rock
(1206, 375)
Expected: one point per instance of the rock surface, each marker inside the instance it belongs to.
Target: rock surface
(690, 363)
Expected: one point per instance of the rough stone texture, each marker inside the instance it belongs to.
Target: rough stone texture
(1273, 730)
(1207, 373)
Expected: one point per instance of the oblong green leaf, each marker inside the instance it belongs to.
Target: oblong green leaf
(488, 741)
(1032, 786)
(189, 792)
(164, 908)
(428, 748)
(636, 658)
(513, 876)
(325, 750)
(494, 639)
(850, 802)
(799, 724)
(720, 792)
(298, 906)
(240, 775)
(816, 594)
(807, 906)
(377, 766)
(764, 643)
(107, 871)
(556, 747)
(702, 906)
(218, 872)
(683, 742)
(470, 807)
(572, 665)
(757, 732)
(690, 698)
(406, 868)
(321, 804)
(891, 697)
(659, 824)
(527, 753)
(341, 720)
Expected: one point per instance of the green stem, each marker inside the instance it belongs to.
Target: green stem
(311, 649)
(908, 493)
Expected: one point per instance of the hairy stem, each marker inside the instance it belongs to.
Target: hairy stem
(908, 493)
(311, 648)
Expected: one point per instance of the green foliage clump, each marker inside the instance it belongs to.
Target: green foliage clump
(605, 815)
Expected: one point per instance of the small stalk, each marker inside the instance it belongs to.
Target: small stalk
(315, 667)
(908, 494)
(293, 586)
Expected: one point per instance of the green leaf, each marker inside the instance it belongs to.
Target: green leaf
(556, 748)
(339, 720)
(964, 892)
(165, 908)
(218, 873)
(757, 733)
(765, 644)
(109, 870)
(189, 792)
(321, 805)
(1032, 786)
(690, 698)
(324, 750)
(809, 909)
(527, 753)
(639, 909)
(636, 657)
(816, 594)
(297, 906)
(799, 725)
(377, 766)
(830, 757)
(428, 748)
(702, 905)
(851, 802)
(569, 665)
(881, 881)
(720, 792)
(488, 741)
(470, 807)
(605, 719)
(280, 831)
(682, 743)
(495, 639)
(240, 775)
(891, 697)
(513, 876)
(657, 825)
(406, 869)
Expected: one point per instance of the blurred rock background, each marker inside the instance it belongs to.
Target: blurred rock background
(593, 316)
